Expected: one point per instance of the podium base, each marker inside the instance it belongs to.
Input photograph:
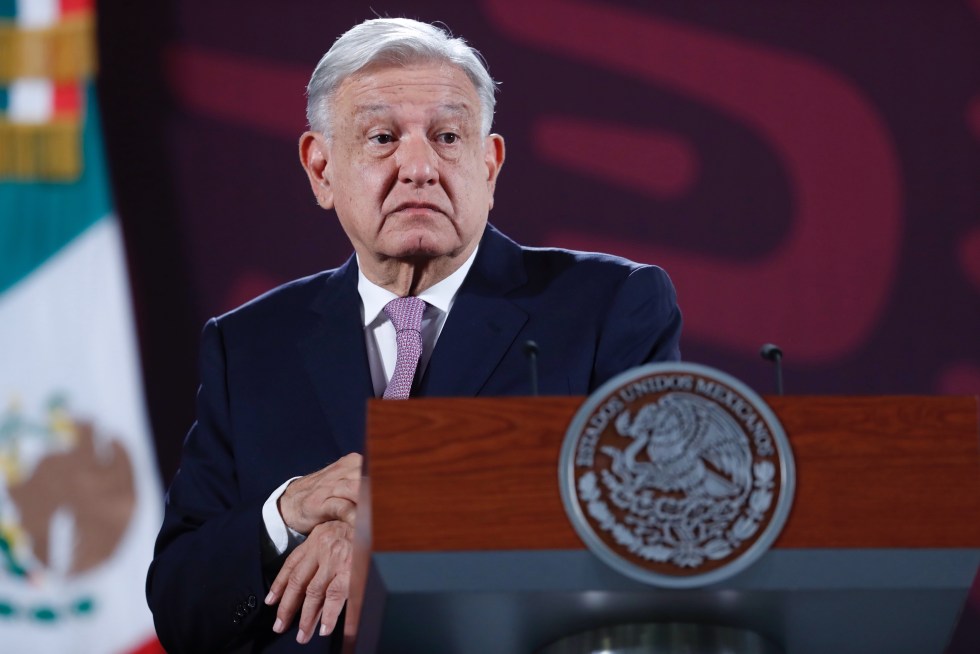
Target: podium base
(663, 638)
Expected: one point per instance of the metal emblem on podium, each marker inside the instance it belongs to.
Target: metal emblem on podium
(676, 474)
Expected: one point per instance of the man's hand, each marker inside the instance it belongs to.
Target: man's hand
(316, 577)
(326, 495)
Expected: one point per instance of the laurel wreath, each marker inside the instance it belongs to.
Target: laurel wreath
(46, 613)
(664, 542)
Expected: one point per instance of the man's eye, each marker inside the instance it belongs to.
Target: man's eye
(383, 139)
(448, 138)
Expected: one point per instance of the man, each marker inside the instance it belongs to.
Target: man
(255, 549)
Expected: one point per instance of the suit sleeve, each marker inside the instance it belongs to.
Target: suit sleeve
(205, 585)
(642, 325)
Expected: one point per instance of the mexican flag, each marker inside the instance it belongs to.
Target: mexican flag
(79, 492)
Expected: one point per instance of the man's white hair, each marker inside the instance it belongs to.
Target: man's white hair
(397, 41)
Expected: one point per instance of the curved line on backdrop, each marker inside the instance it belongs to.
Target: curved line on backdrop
(822, 291)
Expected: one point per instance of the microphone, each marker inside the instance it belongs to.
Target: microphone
(531, 351)
(771, 352)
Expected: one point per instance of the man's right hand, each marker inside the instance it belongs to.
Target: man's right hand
(327, 495)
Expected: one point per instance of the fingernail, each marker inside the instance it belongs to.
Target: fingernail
(277, 627)
(323, 630)
(300, 637)
(270, 598)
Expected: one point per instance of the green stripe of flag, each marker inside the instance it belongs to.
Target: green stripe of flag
(39, 218)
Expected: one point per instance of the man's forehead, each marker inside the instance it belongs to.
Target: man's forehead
(381, 87)
(368, 111)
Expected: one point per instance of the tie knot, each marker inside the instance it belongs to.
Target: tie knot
(405, 313)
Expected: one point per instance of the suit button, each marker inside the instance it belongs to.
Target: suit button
(252, 602)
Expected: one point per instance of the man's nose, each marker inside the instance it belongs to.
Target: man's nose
(417, 162)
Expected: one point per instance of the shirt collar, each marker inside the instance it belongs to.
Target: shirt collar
(441, 295)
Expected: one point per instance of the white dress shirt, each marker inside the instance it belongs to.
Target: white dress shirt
(379, 333)
(379, 337)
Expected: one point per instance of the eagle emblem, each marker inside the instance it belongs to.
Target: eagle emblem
(673, 471)
(686, 444)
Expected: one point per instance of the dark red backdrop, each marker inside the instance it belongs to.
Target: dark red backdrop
(807, 172)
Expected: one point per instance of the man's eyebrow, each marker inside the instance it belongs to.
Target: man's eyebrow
(456, 108)
(370, 109)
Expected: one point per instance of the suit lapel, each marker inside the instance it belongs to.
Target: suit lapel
(480, 330)
(483, 323)
(335, 358)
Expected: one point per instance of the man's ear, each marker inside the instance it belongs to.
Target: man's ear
(493, 155)
(313, 155)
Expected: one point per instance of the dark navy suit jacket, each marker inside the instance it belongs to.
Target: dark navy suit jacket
(285, 378)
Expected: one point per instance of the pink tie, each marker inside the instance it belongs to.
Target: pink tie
(405, 314)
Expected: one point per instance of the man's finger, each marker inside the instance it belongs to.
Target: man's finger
(295, 584)
(279, 583)
(352, 460)
(339, 509)
(334, 600)
(313, 604)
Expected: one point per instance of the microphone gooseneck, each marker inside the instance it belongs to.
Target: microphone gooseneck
(531, 352)
(772, 352)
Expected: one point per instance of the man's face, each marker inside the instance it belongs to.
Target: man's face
(406, 167)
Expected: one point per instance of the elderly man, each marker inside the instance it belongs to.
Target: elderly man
(255, 549)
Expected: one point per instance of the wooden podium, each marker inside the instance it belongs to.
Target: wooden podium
(463, 544)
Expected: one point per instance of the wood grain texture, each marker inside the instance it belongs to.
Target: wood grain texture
(474, 474)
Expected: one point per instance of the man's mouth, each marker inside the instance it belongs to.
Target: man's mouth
(410, 207)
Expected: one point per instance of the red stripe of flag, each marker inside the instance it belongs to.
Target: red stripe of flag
(151, 646)
(69, 7)
(67, 100)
